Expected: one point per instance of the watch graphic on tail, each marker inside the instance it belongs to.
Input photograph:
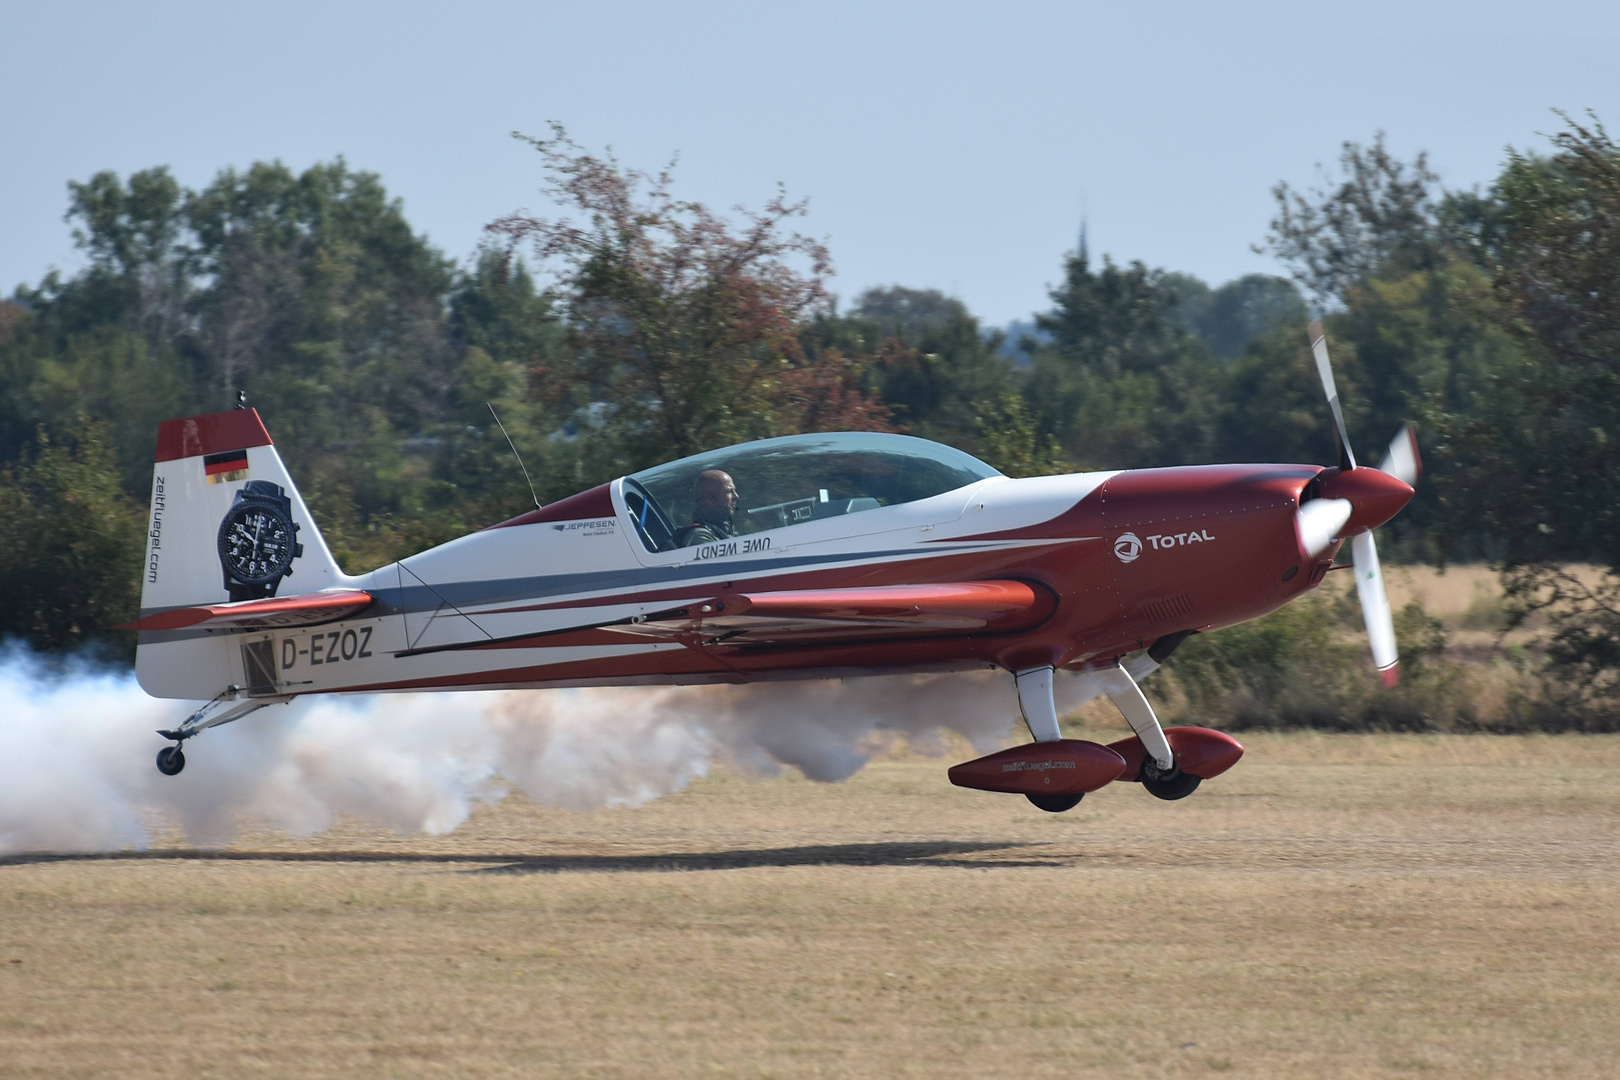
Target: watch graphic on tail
(258, 540)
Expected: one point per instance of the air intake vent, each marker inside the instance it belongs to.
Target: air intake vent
(1170, 609)
(259, 667)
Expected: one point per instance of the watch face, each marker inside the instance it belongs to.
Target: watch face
(256, 543)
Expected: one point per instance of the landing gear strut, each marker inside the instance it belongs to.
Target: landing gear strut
(1040, 714)
(232, 703)
(1127, 697)
(1160, 774)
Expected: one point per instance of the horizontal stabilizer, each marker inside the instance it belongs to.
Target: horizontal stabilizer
(307, 610)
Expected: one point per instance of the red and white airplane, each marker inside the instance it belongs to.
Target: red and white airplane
(853, 554)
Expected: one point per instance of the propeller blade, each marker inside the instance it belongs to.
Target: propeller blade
(1375, 607)
(1319, 521)
(1347, 459)
(1402, 462)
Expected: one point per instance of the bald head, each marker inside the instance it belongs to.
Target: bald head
(715, 489)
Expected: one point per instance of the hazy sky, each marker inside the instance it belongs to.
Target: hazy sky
(946, 145)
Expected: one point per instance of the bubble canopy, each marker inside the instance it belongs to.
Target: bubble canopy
(800, 478)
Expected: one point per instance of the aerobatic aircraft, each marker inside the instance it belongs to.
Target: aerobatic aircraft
(833, 555)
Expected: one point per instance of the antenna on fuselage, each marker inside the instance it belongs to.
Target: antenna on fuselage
(515, 454)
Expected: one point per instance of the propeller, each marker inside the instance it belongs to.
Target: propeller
(1354, 501)
(1347, 459)
(1320, 522)
(1402, 461)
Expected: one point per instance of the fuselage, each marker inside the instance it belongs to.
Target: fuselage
(555, 597)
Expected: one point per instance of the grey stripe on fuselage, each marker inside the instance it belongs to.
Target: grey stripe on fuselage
(464, 594)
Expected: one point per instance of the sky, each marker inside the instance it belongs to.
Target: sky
(948, 146)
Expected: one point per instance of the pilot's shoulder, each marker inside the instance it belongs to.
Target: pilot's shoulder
(692, 535)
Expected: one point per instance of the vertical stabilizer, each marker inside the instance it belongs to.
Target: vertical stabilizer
(226, 524)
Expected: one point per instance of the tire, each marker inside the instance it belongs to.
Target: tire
(1176, 785)
(1056, 804)
(170, 760)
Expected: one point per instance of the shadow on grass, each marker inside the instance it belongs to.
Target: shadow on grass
(927, 853)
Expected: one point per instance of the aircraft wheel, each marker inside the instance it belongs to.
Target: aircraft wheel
(170, 760)
(1056, 804)
(1173, 785)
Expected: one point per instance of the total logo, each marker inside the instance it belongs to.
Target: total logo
(1129, 546)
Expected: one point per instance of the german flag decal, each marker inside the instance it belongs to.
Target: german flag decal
(223, 468)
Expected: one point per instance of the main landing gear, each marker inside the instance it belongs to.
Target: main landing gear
(229, 704)
(1055, 773)
(1035, 701)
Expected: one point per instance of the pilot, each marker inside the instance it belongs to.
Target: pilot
(714, 502)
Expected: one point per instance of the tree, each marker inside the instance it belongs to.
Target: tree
(909, 314)
(1121, 382)
(1116, 320)
(1008, 437)
(1418, 332)
(1246, 309)
(320, 300)
(683, 325)
(308, 290)
(70, 547)
(1539, 451)
(926, 357)
(1381, 218)
(1560, 249)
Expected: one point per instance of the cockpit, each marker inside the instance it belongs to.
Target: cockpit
(797, 479)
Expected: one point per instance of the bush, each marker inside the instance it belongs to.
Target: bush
(1307, 666)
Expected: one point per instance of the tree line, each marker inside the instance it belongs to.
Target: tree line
(637, 326)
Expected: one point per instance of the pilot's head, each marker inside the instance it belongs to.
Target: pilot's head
(715, 491)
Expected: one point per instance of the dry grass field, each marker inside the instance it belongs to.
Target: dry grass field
(1337, 906)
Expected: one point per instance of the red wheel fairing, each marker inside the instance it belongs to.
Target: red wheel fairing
(1200, 751)
(1060, 767)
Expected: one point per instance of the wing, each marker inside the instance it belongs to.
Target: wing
(306, 610)
(809, 616)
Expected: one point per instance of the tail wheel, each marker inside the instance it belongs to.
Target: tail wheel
(1056, 804)
(170, 760)
(1172, 785)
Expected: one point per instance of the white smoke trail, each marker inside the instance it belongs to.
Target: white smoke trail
(77, 748)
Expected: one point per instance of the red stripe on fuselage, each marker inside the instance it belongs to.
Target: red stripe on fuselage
(925, 569)
(594, 503)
